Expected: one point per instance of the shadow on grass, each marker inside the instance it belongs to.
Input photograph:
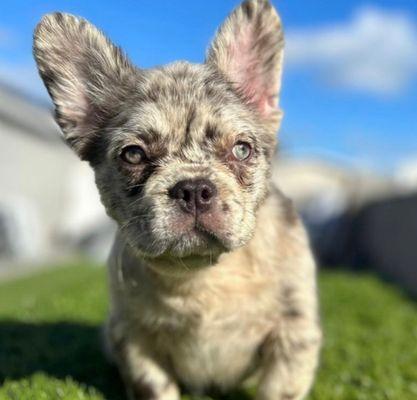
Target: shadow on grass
(59, 349)
(63, 349)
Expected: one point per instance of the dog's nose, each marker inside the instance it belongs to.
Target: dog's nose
(194, 195)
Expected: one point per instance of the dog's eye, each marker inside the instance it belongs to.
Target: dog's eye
(242, 151)
(133, 154)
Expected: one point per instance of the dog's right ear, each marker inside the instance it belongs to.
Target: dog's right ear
(84, 73)
(248, 50)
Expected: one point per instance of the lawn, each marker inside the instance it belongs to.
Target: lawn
(50, 339)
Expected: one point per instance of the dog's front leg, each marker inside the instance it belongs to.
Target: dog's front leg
(144, 376)
(290, 360)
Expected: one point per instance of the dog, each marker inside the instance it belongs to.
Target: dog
(212, 280)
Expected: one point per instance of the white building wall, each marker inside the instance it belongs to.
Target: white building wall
(43, 187)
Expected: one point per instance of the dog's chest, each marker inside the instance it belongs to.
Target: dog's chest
(214, 356)
(213, 337)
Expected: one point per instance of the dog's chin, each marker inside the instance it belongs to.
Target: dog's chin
(179, 266)
(183, 264)
(189, 251)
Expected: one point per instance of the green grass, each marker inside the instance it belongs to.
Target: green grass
(50, 339)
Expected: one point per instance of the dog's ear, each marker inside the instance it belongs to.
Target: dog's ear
(84, 73)
(248, 50)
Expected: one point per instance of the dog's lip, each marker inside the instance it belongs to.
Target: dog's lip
(203, 244)
(187, 257)
(209, 246)
(213, 239)
(201, 229)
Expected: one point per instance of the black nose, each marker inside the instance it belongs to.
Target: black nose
(194, 195)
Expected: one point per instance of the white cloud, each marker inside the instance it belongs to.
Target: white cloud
(406, 173)
(376, 51)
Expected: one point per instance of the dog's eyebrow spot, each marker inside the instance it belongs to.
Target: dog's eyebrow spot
(94, 151)
(155, 142)
(211, 132)
(150, 136)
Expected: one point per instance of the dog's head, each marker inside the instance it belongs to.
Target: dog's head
(181, 153)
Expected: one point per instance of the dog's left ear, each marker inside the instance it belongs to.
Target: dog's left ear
(86, 75)
(248, 50)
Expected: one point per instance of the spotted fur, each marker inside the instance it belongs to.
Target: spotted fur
(207, 300)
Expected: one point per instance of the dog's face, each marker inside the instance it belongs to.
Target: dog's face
(181, 153)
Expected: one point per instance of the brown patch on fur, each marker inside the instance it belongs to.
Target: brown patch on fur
(248, 9)
(289, 396)
(211, 132)
(289, 211)
(287, 207)
(290, 308)
(242, 173)
(143, 390)
(136, 188)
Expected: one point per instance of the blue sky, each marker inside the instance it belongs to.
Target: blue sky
(350, 80)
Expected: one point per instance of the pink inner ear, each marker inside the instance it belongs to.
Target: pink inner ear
(73, 105)
(252, 78)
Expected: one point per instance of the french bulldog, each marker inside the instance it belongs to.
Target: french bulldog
(212, 280)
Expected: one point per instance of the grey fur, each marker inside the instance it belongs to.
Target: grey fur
(205, 299)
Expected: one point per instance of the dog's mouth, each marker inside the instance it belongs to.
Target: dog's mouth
(195, 248)
(198, 241)
(185, 263)
(189, 240)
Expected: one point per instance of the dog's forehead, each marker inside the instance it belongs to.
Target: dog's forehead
(184, 99)
(184, 82)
